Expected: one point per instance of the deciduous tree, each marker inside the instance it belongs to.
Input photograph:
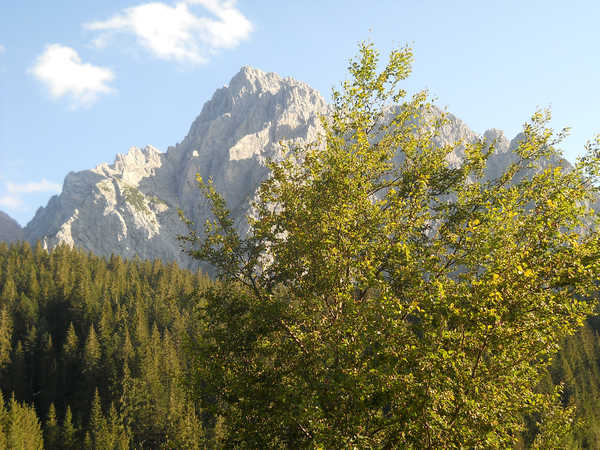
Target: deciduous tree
(385, 299)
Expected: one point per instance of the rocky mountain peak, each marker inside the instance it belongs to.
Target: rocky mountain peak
(252, 98)
(133, 166)
(131, 206)
(251, 81)
(136, 156)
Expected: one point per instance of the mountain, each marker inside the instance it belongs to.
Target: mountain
(10, 230)
(131, 207)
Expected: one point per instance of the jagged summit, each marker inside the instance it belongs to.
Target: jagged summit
(251, 80)
(260, 95)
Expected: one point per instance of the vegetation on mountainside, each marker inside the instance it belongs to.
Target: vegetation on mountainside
(136, 199)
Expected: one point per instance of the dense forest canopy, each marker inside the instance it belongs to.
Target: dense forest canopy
(93, 351)
(97, 348)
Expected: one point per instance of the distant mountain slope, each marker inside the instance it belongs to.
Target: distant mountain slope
(130, 207)
(10, 230)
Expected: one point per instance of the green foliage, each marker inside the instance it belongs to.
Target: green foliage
(98, 423)
(395, 301)
(71, 343)
(5, 337)
(136, 199)
(51, 429)
(158, 201)
(68, 432)
(19, 426)
(92, 354)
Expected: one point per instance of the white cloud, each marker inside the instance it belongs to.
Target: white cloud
(174, 32)
(64, 73)
(12, 197)
(2, 48)
(10, 201)
(33, 186)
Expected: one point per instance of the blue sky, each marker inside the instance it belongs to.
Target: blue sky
(83, 80)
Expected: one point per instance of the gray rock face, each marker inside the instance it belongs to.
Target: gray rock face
(10, 230)
(131, 207)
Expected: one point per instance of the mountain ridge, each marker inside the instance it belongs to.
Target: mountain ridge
(131, 207)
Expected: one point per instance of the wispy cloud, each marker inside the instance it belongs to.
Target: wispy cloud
(10, 201)
(63, 72)
(2, 48)
(12, 195)
(176, 33)
(32, 186)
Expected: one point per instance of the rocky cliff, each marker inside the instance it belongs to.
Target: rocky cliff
(130, 207)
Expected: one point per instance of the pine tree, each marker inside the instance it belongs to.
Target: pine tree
(120, 435)
(47, 371)
(184, 429)
(8, 295)
(141, 325)
(18, 373)
(51, 430)
(98, 426)
(83, 345)
(70, 366)
(24, 429)
(26, 312)
(6, 332)
(127, 351)
(69, 432)
(92, 354)
(106, 322)
(71, 345)
(88, 443)
(33, 287)
(171, 367)
(40, 256)
(3, 423)
(30, 346)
